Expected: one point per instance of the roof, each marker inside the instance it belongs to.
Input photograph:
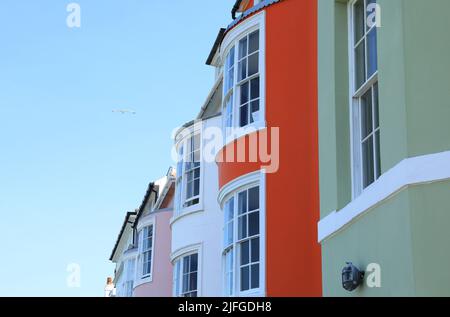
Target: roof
(216, 46)
(252, 10)
(213, 102)
(167, 186)
(122, 230)
(152, 188)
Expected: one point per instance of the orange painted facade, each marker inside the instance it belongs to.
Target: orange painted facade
(247, 4)
(293, 255)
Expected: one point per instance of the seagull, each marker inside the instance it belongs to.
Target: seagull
(124, 111)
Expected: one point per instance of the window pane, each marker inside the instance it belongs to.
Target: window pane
(231, 58)
(377, 155)
(193, 281)
(244, 93)
(245, 251)
(229, 284)
(253, 64)
(229, 272)
(242, 70)
(253, 198)
(360, 65)
(376, 111)
(230, 80)
(366, 114)
(254, 88)
(229, 260)
(185, 287)
(197, 187)
(253, 223)
(229, 234)
(189, 190)
(243, 47)
(372, 64)
(255, 276)
(196, 142)
(243, 116)
(242, 202)
(368, 163)
(242, 227)
(186, 265)
(254, 42)
(245, 278)
(229, 210)
(194, 260)
(254, 111)
(359, 20)
(255, 250)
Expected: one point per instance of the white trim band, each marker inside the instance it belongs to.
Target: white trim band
(410, 171)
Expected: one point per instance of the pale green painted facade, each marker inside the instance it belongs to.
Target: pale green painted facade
(409, 234)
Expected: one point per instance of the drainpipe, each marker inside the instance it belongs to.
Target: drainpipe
(235, 9)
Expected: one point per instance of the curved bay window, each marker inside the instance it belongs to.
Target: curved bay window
(242, 89)
(188, 173)
(241, 253)
(185, 276)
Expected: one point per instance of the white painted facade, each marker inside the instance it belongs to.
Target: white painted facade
(198, 229)
(125, 260)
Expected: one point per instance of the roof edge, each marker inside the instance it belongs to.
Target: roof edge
(216, 46)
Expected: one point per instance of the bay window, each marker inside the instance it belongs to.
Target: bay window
(129, 284)
(185, 276)
(364, 83)
(188, 173)
(146, 251)
(242, 89)
(242, 245)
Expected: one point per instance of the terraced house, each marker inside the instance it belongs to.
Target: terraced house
(384, 151)
(228, 238)
(333, 149)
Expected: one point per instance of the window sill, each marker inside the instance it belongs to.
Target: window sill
(417, 170)
(247, 130)
(143, 280)
(252, 293)
(186, 212)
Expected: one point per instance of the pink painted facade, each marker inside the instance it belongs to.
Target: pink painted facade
(142, 250)
(161, 284)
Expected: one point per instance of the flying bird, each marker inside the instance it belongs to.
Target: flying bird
(124, 111)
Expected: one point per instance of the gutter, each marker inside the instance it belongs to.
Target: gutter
(235, 9)
(124, 225)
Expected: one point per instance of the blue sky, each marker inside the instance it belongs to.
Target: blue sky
(69, 167)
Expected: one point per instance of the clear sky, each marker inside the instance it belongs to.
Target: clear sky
(70, 168)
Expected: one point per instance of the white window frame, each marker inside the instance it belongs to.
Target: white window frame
(149, 249)
(355, 98)
(189, 157)
(144, 222)
(232, 39)
(232, 190)
(130, 268)
(181, 208)
(177, 276)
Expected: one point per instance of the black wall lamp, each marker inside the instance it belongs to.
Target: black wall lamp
(352, 277)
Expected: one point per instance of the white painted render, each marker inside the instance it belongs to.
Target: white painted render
(411, 171)
(201, 229)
